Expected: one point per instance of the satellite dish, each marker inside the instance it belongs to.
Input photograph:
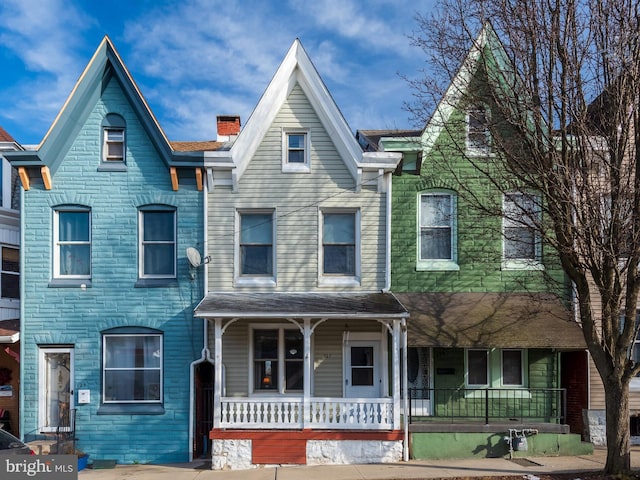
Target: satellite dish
(194, 257)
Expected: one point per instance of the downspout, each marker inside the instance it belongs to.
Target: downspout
(205, 355)
(387, 267)
(405, 391)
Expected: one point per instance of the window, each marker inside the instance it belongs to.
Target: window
(478, 135)
(10, 281)
(521, 246)
(256, 244)
(278, 360)
(132, 368)
(512, 368)
(295, 151)
(158, 242)
(495, 368)
(72, 238)
(436, 226)
(113, 139)
(477, 367)
(339, 243)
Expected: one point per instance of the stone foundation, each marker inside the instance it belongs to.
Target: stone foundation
(236, 454)
(345, 452)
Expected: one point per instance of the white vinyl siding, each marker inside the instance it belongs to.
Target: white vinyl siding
(296, 200)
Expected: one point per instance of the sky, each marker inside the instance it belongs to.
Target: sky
(196, 59)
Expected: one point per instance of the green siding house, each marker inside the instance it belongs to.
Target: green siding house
(490, 333)
(108, 338)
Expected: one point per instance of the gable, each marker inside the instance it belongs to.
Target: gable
(297, 70)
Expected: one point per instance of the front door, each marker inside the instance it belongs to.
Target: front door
(56, 394)
(363, 376)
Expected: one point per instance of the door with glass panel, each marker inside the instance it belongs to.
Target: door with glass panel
(56, 390)
(363, 378)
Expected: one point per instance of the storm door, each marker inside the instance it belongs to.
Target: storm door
(363, 377)
(56, 390)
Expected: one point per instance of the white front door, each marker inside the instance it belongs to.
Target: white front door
(363, 373)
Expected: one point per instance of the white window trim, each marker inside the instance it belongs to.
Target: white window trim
(281, 327)
(296, 167)
(450, 264)
(487, 150)
(106, 142)
(531, 264)
(339, 280)
(141, 213)
(56, 243)
(161, 368)
(254, 280)
(43, 388)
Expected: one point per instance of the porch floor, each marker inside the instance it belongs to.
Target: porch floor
(445, 426)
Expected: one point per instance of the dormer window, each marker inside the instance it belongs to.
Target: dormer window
(296, 151)
(113, 141)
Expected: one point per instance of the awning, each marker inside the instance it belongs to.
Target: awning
(490, 320)
(9, 331)
(288, 305)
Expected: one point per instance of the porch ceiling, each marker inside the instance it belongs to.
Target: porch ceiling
(490, 320)
(282, 305)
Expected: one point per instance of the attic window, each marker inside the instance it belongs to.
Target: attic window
(296, 151)
(113, 139)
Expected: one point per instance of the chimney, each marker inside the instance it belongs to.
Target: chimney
(228, 127)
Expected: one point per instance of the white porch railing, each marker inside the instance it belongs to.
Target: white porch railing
(323, 413)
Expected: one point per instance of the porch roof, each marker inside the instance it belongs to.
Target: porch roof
(279, 305)
(490, 320)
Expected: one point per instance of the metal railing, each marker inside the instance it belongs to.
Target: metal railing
(545, 405)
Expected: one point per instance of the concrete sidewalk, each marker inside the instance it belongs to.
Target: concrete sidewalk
(413, 469)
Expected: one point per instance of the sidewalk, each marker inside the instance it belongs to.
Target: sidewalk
(413, 469)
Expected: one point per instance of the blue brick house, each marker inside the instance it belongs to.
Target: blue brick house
(109, 344)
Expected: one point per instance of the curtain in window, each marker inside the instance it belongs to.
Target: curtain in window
(159, 243)
(132, 368)
(435, 227)
(73, 238)
(519, 226)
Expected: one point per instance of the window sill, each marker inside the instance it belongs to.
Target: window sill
(523, 264)
(69, 283)
(510, 392)
(292, 168)
(437, 265)
(339, 282)
(112, 167)
(131, 409)
(255, 282)
(156, 283)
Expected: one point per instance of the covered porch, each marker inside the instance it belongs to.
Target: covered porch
(326, 367)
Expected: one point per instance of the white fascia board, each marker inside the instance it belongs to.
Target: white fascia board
(283, 314)
(387, 161)
(265, 111)
(220, 159)
(10, 338)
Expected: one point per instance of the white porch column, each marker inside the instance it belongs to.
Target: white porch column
(395, 360)
(306, 419)
(217, 384)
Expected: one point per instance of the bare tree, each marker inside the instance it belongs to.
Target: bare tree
(561, 79)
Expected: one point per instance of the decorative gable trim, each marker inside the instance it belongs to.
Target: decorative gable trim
(295, 69)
